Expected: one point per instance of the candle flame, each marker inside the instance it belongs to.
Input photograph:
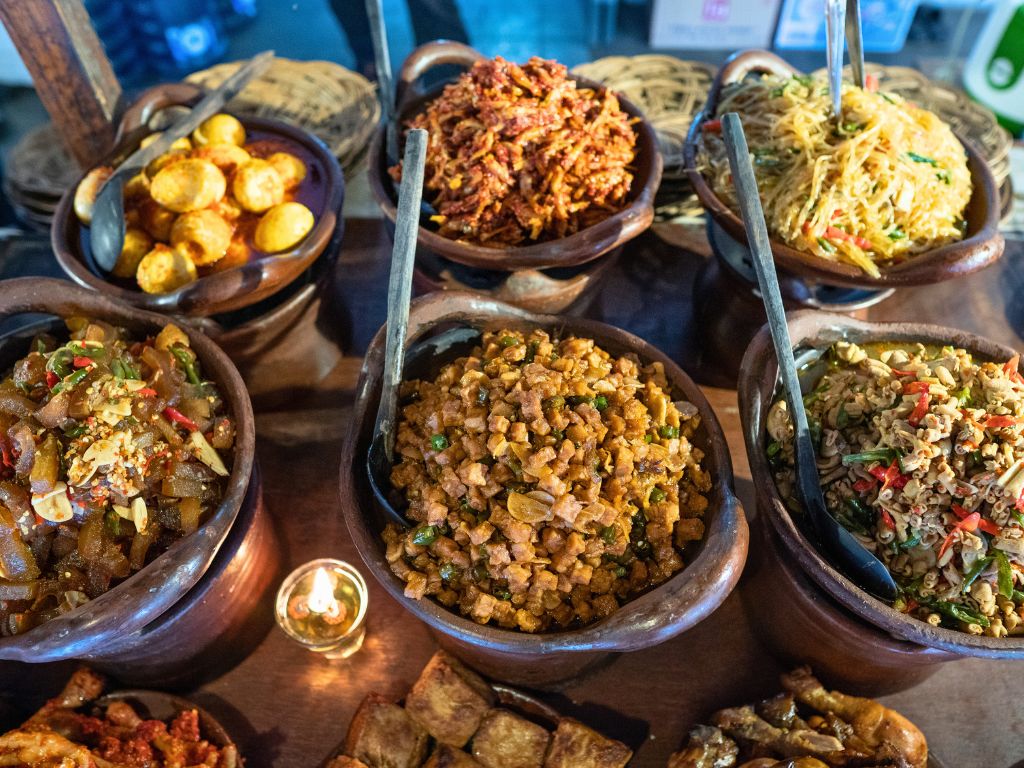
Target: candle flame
(321, 597)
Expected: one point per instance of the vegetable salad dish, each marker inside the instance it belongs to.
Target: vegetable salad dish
(921, 456)
(886, 183)
(550, 482)
(214, 201)
(112, 449)
(520, 153)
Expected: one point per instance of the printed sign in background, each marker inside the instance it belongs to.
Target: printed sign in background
(713, 24)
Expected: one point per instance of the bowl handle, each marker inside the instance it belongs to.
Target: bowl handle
(424, 59)
(741, 64)
(136, 118)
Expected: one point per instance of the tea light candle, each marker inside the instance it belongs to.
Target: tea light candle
(322, 606)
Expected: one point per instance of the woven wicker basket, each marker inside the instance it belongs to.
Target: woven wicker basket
(333, 103)
(668, 90)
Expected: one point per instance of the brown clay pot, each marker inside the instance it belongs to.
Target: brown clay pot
(586, 245)
(221, 619)
(231, 289)
(758, 376)
(801, 624)
(549, 292)
(141, 599)
(981, 246)
(538, 659)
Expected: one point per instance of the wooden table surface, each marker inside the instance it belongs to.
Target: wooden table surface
(290, 708)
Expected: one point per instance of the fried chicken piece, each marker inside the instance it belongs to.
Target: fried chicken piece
(742, 723)
(45, 749)
(878, 732)
(780, 711)
(707, 748)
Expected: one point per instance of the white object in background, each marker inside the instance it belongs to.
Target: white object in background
(884, 24)
(713, 24)
(12, 70)
(1013, 228)
(994, 73)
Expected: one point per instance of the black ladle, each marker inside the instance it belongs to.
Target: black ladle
(403, 256)
(860, 565)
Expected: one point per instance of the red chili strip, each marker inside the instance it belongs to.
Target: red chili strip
(920, 410)
(177, 416)
(712, 126)
(147, 392)
(969, 524)
(864, 484)
(81, 361)
(1000, 422)
(51, 379)
(903, 373)
(1010, 369)
(871, 83)
(833, 233)
(887, 519)
(916, 387)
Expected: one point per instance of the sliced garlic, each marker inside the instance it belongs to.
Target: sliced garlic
(206, 453)
(54, 505)
(140, 515)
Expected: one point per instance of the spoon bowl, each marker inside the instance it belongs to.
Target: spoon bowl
(860, 565)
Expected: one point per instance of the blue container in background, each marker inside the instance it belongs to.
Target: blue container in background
(178, 37)
(885, 24)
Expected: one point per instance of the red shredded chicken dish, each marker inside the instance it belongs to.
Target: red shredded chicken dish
(519, 153)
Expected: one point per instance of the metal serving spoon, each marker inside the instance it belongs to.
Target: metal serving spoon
(855, 41)
(385, 80)
(863, 568)
(106, 232)
(835, 15)
(403, 256)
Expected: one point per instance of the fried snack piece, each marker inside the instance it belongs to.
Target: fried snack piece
(574, 745)
(219, 129)
(156, 220)
(505, 740)
(164, 269)
(383, 735)
(257, 186)
(449, 700)
(290, 168)
(203, 235)
(45, 749)
(283, 227)
(160, 162)
(137, 243)
(87, 190)
(227, 157)
(344, 761)
(877, 730)
(181, 143)
(136, 189)
(188, 185)
(707, 748)
(446, 756)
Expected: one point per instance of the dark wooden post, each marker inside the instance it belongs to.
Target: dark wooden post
(71, 73)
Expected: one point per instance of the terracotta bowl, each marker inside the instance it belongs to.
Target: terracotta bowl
(801, 624)
(146, 595)
(231, 289)
(586, 245)
(757, 386)
(537, 659)
(981, 245)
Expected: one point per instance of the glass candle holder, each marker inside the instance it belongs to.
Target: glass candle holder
(322, 606)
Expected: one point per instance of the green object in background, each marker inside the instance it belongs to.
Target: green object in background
(994, 73)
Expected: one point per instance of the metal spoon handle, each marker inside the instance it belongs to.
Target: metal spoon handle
(767, 279)
(835, 15)
(403, 256)
(855, 41)
(385, 80)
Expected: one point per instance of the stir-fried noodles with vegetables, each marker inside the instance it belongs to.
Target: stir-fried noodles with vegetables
(921, 456)
(886, 182)
(112, 450)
